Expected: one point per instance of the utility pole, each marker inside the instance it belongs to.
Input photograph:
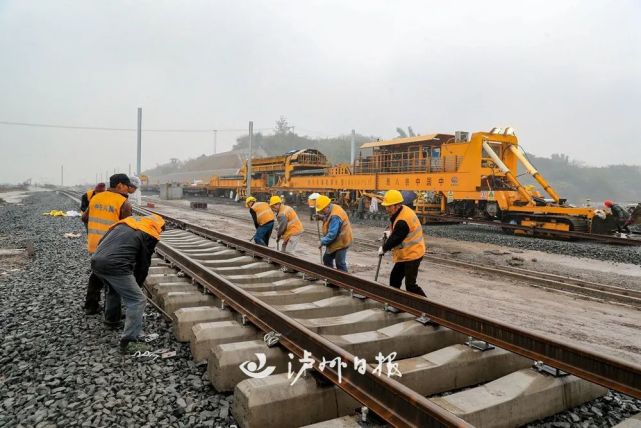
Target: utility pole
(62, 175)
(139, 140)
(353, 147)
(215, 138)
(249, 160)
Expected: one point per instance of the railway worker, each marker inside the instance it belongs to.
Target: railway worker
(311, 202)
(405, 240)
(337, 233)
(104, 209)
(621, 215)
(289, 225)
(122, 261)
(84, 201)
(263, 220)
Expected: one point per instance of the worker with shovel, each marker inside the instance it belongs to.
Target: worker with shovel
(289, 225)
(405, 240)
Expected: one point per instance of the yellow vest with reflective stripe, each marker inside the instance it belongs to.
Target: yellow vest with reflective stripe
(344, 238)
(413, 246)
(264, 213)
(150, 225)
(294, 225)
(104, 211)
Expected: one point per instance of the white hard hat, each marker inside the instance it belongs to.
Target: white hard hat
(313, 196)
(135, 181)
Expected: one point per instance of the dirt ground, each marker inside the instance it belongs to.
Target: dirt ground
(607, 328)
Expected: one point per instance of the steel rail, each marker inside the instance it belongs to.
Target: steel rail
(535, 231)
(549, 281)
(391, 400)
(539, 231)
(611, 372)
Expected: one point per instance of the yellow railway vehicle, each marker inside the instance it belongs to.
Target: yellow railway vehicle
(461, 175)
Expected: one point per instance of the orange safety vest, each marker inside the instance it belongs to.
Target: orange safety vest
(104, 211)
(294, 225)
(264, 213)
(413, 246)
(344, 238)
(151, 224)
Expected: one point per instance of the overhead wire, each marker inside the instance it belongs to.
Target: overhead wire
(106, 128)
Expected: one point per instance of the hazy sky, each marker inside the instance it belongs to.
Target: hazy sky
(565, 74)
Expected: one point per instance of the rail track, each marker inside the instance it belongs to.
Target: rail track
(389, 398)
(634, 240)
(559, 283)
(230, 300)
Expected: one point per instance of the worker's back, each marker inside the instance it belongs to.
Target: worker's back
(119, 250)
(104, 210)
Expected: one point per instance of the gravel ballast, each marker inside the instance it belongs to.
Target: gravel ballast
(59, 367)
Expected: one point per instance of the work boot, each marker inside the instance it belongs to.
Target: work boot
(130, 347)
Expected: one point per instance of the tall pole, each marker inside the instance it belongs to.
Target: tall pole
(353, 147)
(249, 159)
(62, 175)
(215, 138)
(139, 140)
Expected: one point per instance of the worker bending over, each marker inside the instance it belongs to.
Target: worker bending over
(289, 225)
(337, 233)
(621, 215)
(311, 202)
(84, 201)
(104, 210)
(263, 220)
(405, 240)
(122, 261)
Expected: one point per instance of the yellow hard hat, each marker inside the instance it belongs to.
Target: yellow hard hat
(392, 197)
(248, 200)
(275, 200)
(322, 202)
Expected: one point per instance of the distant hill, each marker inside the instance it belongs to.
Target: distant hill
(577, 182)
(571, 179)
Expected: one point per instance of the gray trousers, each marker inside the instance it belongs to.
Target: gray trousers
(127, 289)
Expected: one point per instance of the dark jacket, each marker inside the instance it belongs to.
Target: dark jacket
(398, 234)
(84, 202)
(124, 251)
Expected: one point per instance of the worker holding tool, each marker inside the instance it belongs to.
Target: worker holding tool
(104, 209)
(405, 240)
(311, 202)
(263, 220)
(621, 215)
(337, 233)
(289, 225)
(122, 262)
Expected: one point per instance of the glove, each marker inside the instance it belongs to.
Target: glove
(387, 234)
(380, 251)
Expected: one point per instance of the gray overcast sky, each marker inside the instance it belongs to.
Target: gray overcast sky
(565, 74)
